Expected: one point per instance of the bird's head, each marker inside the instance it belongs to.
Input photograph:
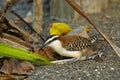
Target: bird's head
(49, 40)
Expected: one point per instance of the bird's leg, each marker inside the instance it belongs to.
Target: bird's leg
(83, 58)
(65, 60)
(98, 54)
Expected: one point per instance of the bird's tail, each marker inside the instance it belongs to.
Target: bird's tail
(96, 37)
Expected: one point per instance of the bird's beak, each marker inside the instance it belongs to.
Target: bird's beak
(41, 47)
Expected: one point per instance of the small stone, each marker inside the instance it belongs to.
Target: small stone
(79, 78)
(96, 69)
(98, 72)
(112, 68)
(88, 74)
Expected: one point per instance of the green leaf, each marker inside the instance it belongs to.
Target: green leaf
(8, 51)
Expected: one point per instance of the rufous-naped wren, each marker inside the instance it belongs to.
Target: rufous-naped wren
(69, 45)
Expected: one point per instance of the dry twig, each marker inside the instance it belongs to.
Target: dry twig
(81, 12)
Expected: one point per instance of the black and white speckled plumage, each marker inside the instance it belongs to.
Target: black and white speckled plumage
(75, 43)
(70, 45)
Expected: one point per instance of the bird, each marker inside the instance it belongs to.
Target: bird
(70, 45)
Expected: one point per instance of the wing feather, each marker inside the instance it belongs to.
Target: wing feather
(75, 43)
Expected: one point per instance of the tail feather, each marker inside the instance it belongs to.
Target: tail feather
(96, 37)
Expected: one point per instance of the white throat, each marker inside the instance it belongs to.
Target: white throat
(57, 46)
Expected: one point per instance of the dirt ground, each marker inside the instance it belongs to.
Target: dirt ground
(109, 69)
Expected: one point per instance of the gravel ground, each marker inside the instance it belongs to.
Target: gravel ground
(109, 69)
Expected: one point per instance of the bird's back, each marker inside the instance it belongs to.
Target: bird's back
(75, 43)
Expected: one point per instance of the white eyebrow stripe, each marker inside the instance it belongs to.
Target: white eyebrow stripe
(50, 39)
